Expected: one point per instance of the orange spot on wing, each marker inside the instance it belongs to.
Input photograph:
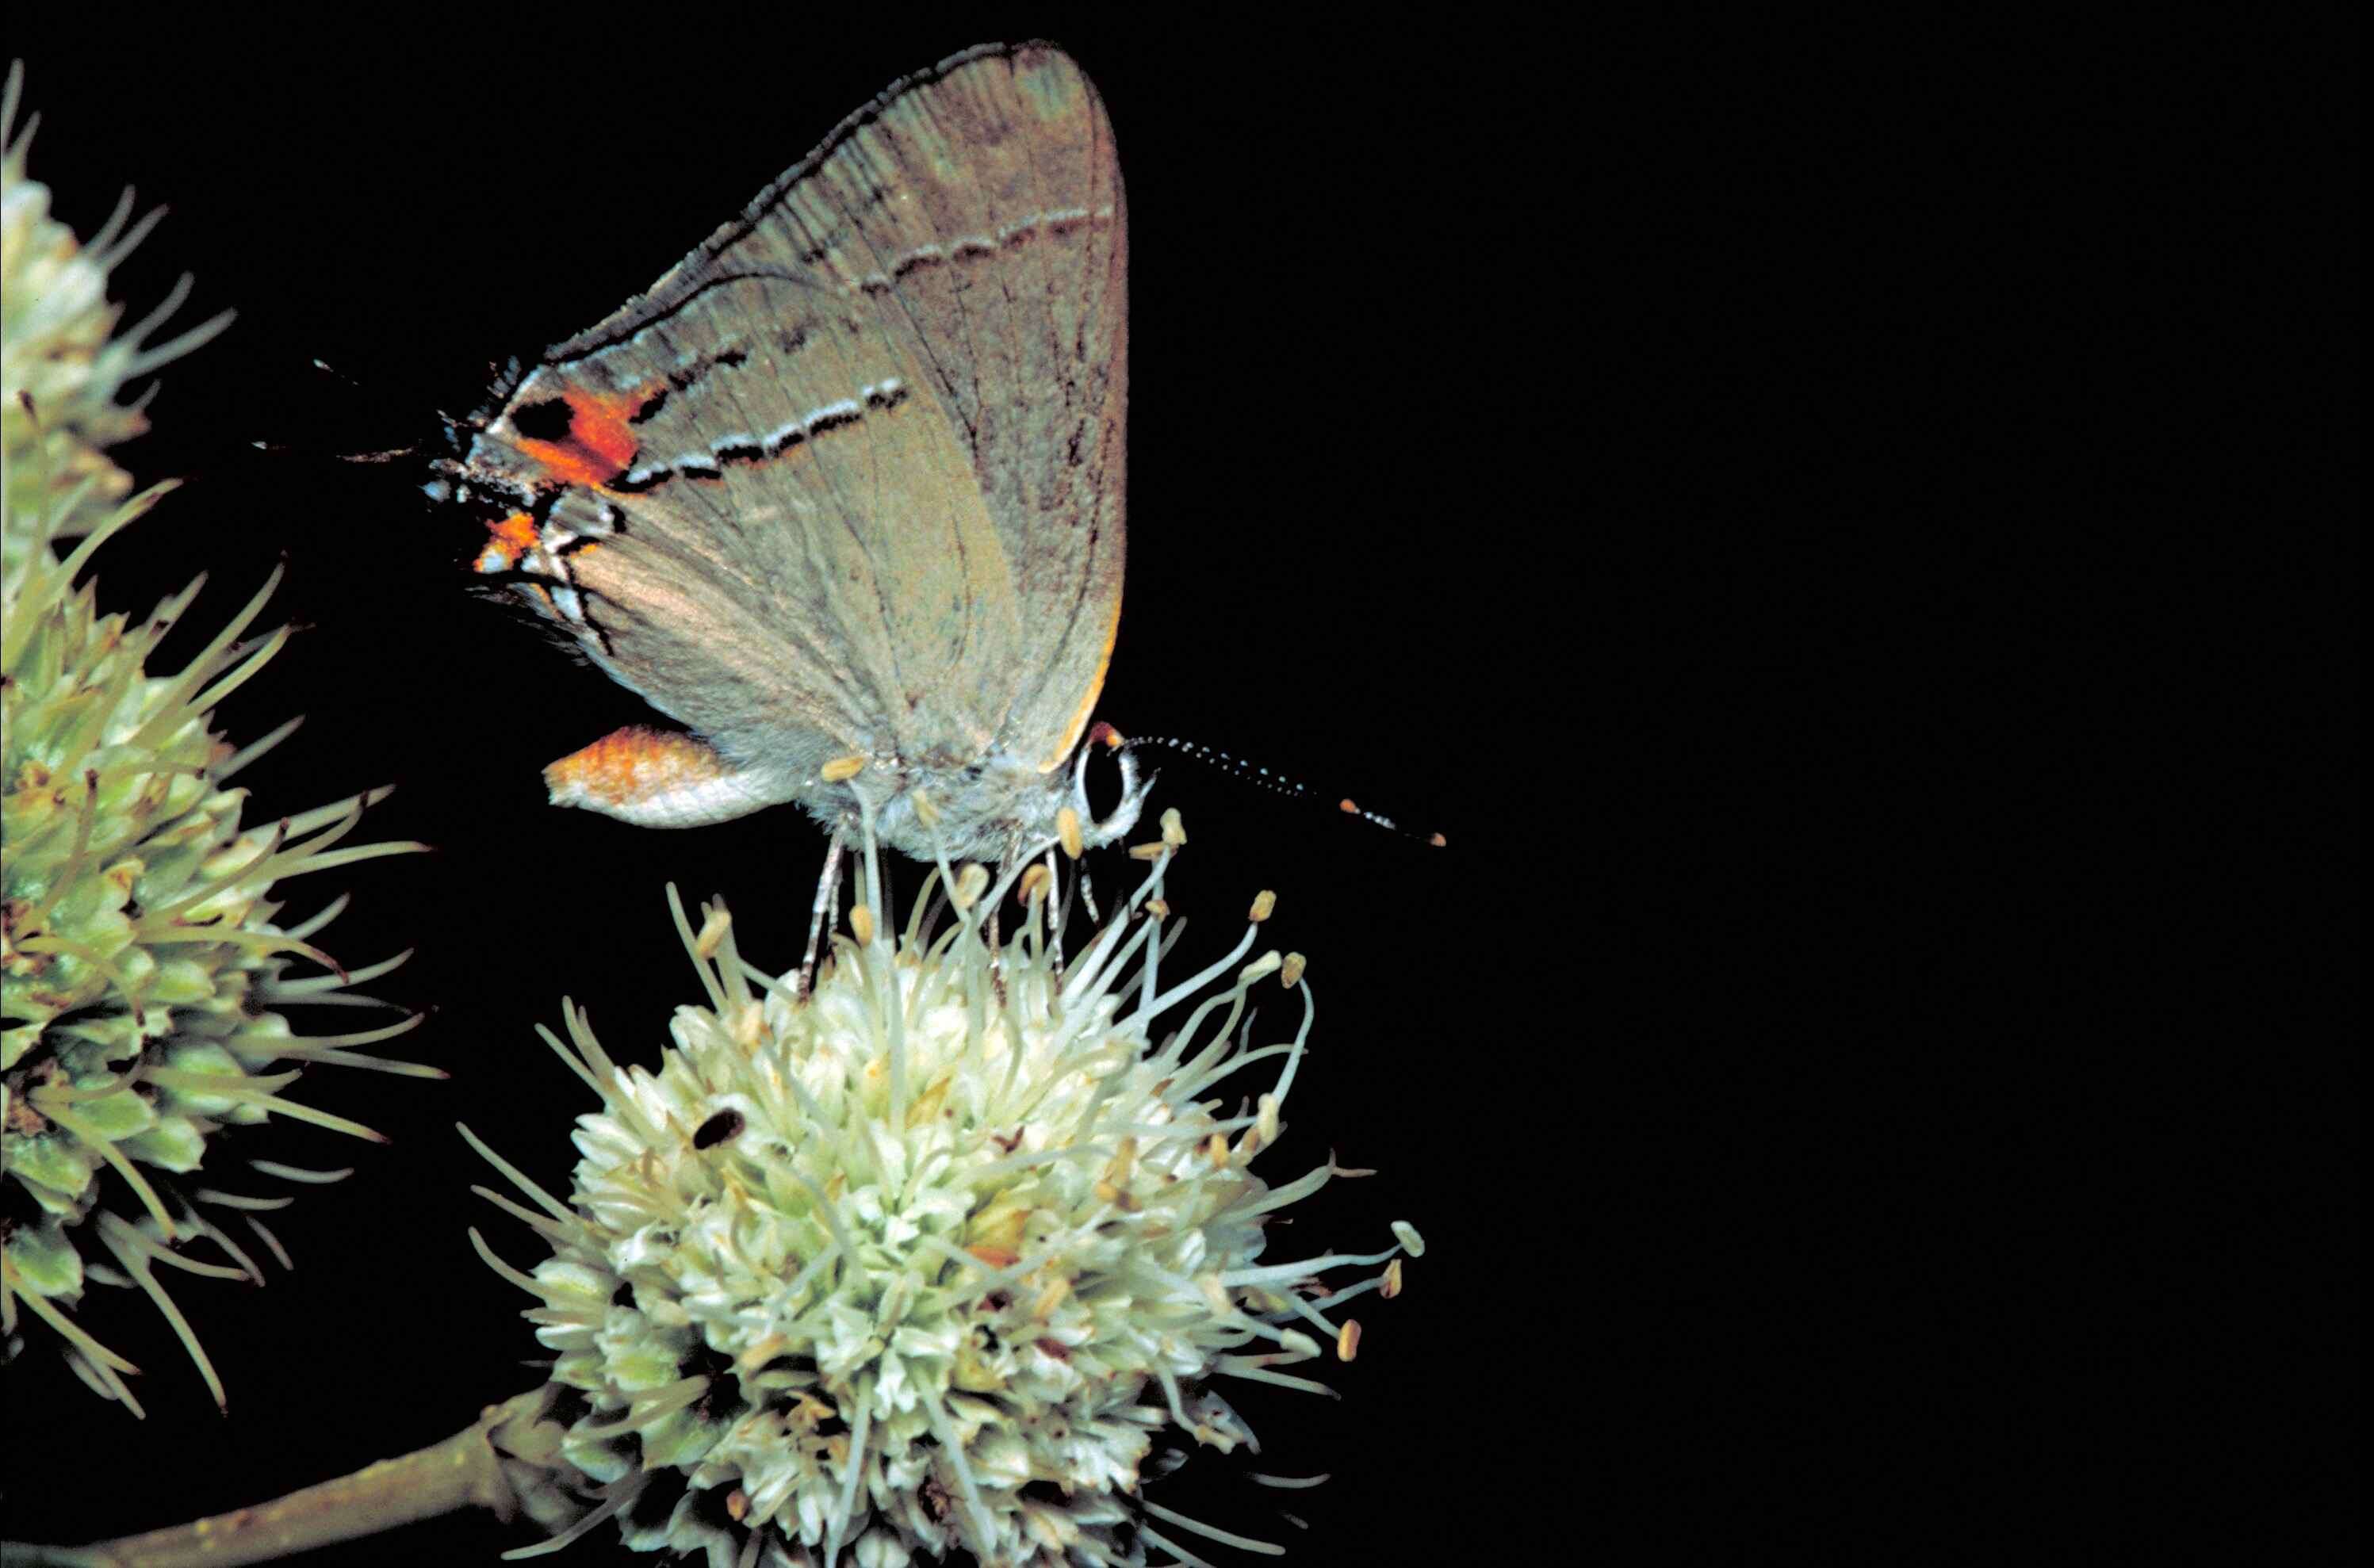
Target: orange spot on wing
(600, 442)
(506, 542)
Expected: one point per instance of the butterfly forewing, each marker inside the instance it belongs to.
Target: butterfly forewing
(849, 477)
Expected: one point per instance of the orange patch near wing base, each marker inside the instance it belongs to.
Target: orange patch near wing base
(506, 542)
(599, 443)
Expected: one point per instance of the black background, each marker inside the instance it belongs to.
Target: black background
(1851, 535)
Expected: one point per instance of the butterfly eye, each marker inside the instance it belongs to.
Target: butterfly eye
(1112, 809)
(1099, 782)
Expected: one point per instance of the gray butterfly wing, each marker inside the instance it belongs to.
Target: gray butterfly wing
(849, 478)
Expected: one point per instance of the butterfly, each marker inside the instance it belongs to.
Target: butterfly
(841, 493)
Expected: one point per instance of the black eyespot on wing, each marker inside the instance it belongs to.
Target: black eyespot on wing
(546, 421)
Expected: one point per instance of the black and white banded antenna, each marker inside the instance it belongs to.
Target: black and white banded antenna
(382, 405)
(1250, 772)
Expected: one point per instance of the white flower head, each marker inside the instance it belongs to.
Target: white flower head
(926, 1260)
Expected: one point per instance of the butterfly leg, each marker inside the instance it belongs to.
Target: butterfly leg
(828, 897)
(991, 929)
(1055, 915)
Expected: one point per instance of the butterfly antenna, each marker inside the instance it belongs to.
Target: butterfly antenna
(1254, 773)
(356, 388)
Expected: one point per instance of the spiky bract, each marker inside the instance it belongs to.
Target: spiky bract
(140, 955)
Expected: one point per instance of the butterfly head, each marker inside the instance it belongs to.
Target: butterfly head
(996, 809)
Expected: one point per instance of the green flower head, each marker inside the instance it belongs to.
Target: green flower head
(142, 961)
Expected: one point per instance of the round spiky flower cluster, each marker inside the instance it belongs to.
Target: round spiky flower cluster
(927, 1259)
(138, 948)
(67, 363)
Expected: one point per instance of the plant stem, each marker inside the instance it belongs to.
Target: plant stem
(465, 1471)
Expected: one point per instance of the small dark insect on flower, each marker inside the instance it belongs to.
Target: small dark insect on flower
(723, 1127)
